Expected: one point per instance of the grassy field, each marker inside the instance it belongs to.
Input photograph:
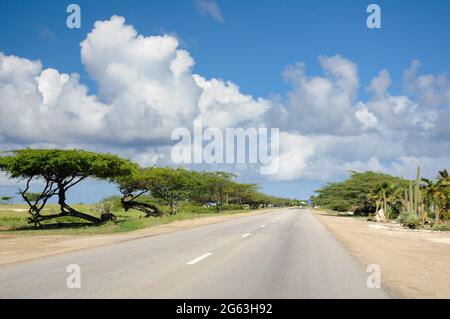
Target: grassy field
(14, 221)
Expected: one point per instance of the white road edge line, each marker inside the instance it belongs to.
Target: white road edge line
(246, 235)
(200, 258)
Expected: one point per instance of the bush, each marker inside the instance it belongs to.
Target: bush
(189, 207)
(446, 215)
(339, 205)
(114, 202)
(440, 227)
(409, 220)
(367, 210)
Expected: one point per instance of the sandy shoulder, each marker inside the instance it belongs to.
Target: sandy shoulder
(17, 248)
(413, 264)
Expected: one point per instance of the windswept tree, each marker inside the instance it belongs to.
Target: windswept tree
(242, 194)
(6, 199)
(132, 187)
(60, 170)
(170, 185)
(218, 185)
(167, 185)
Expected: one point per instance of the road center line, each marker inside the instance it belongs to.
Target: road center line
(246, 235)
(200, 258)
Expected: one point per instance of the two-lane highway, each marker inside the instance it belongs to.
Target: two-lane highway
(282, 254)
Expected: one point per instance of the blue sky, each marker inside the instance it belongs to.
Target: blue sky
(251, 47)
(255, 42)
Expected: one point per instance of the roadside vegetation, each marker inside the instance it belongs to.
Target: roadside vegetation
(13, 219)
(150, 195)
(421, 203)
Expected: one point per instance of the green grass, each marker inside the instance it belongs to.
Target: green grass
(13, 222)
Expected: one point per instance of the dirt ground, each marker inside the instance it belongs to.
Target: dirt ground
(414, 264)
(17, 248)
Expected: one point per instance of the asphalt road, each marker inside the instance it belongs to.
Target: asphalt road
(282, 254)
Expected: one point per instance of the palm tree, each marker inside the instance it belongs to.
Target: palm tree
(429, 191)
(443, 182)
(436, 194)
(385, 195)
(376, 196)
(443, 175)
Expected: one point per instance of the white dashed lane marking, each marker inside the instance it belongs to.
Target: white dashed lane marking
(200, 258)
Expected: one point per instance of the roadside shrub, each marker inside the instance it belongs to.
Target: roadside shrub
(339, 205)
(104, 208)
(367, 210)
(446, 215)
(189, 207)
(440, 227)
(409, 220)
(114, 202)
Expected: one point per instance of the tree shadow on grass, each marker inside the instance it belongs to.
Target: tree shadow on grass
(51, 226)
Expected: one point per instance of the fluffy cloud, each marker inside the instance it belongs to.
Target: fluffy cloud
(332, 131)
(367, 119)
(322, 104)
(296, 150)
(222, 105)
(147, 87)
(31, 99)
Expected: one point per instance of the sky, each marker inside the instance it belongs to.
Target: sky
(345, 97)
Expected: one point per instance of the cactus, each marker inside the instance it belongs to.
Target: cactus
(411, 199)
(417, 192)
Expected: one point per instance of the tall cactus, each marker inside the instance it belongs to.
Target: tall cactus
(417, 192)
(411, 199)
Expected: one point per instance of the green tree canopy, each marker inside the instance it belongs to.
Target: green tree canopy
(61, 170)
(357, 193)
(170, 185)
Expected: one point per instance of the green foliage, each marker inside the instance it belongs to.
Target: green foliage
(437, 195)
(6, 199)
(216, 186)
(153, 191)
(169, 185)
(410, 220)
(114, 201)
(440, 227)
(57, 165)
(60, 170)
(356, 193)
(32, 197)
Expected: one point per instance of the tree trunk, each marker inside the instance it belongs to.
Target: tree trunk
(66, 210)
(173, 208)
(437, 215)
(147, 209)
